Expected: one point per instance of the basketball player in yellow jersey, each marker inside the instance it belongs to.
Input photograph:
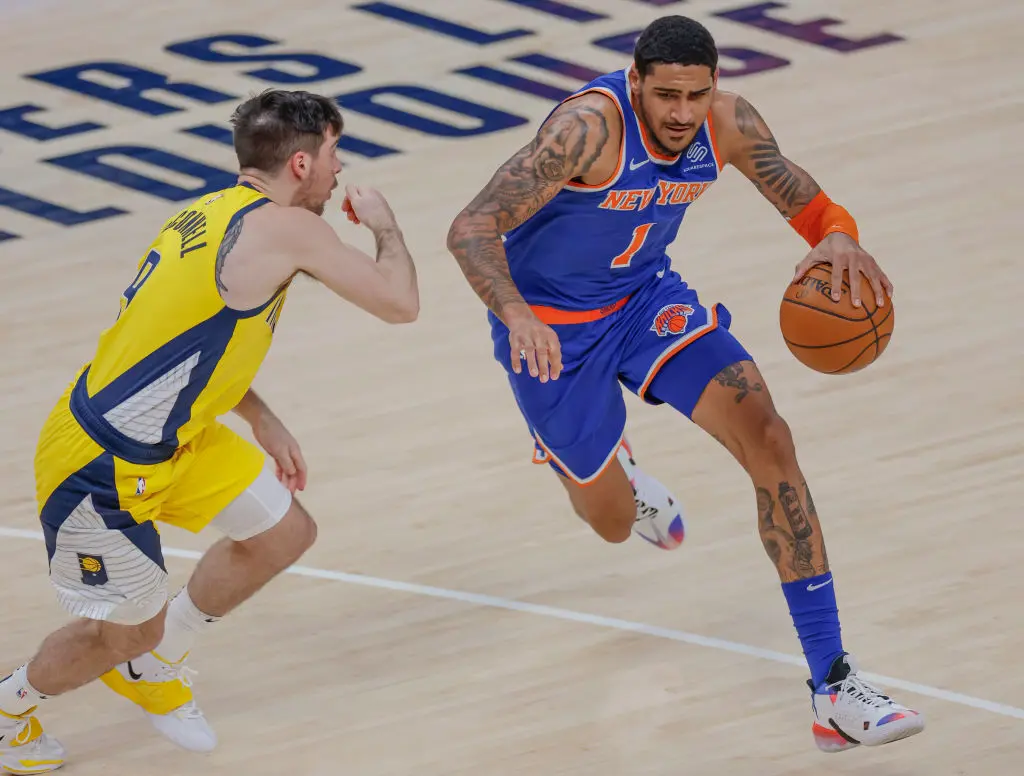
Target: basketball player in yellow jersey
(136, 438)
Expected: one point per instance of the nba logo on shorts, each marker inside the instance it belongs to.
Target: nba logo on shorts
(672, 319)
(22, 693)
(140, 486)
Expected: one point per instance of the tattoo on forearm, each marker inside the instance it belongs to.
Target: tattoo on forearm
(566, 148)
(794, 547)
(734, 377)
(230, 238)
(786, 184)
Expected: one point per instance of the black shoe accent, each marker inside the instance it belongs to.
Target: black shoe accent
(841, 732)
(132, 673)
(838, 671)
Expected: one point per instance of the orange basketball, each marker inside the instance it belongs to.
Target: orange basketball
(833, 337)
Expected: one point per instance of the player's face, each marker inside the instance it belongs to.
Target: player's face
(673, 101)
(322, 178)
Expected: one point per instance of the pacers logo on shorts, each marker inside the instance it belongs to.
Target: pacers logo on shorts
(93, 571)
(672, 319)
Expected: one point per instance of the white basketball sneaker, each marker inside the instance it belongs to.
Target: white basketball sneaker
(25, 748)
(164, 691)
(659, 517)
(849, 712)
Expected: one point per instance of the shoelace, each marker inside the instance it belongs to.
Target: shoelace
(864, 693)
(15, 738)
(183, 674)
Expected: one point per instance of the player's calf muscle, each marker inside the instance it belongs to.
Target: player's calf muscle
(738, 411)
(606, 505)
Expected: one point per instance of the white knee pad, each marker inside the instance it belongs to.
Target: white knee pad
(258, 508)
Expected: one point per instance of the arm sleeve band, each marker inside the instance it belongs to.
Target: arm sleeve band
(820, 217)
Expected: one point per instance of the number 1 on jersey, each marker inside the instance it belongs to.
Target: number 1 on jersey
(639, 238)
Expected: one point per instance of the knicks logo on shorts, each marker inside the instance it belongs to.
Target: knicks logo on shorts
(672, 319)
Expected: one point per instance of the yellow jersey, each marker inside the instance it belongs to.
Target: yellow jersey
(177, 357)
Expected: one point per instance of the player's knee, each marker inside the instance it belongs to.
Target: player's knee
(287, 541)
(769, 442)
(611, 523)
(306, 532)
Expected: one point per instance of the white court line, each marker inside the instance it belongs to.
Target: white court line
(595, 619)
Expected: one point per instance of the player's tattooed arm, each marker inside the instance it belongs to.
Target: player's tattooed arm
(755, 153)
(568, 146)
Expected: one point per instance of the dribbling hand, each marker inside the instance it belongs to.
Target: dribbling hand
(536, 343)
(843, 253)
(367, 206)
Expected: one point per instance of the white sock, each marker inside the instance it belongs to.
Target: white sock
(18, 696)
(184, 624)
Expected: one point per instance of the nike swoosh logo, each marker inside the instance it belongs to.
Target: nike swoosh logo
(132, 673)
(812, 588)
(636, 166)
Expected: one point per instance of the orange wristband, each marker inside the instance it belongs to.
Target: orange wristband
(820, 217)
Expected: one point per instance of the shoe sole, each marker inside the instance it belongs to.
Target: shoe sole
(42, 769)
(898, 734)
(831, 741)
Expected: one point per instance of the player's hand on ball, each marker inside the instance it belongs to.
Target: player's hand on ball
(283, 448)
(843, 253)
(365, 205)
(535, 343)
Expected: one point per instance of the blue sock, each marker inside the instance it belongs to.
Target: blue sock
(812, 605)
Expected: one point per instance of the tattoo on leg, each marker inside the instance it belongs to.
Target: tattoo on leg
(774, 550)
(801, 527)
(813, 512)
(765, 508)
(795, 515)
(733, 377)
(791, 546)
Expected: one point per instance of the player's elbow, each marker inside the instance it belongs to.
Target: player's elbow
(408, 313)
(468, 230)
(403, 310)
(455, 233)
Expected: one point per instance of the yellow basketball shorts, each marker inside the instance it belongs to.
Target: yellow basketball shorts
(99, 512)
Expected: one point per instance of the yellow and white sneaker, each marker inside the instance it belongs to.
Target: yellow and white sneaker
(25, 748)
(164, 691)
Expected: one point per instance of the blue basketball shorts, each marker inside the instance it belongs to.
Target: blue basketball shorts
(662, 344)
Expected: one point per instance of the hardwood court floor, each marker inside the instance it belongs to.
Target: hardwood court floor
(419, 462)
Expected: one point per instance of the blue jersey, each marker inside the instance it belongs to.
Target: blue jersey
(594, 245)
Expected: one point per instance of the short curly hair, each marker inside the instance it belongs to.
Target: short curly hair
(675, 40)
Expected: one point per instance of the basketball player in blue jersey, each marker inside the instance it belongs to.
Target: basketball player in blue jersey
(566, 247)
(136, 438)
